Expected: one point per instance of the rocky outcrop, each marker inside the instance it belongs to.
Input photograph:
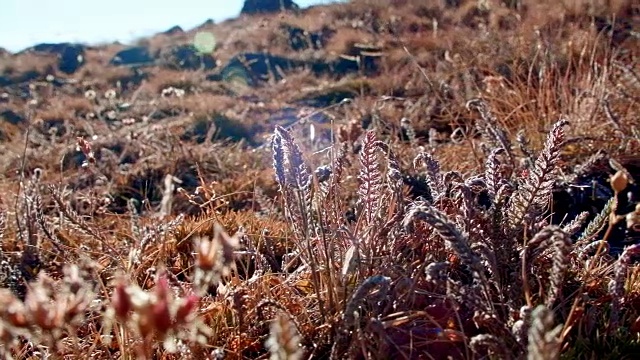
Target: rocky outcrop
(11, 117)
(330, 95)
(362, 58)
(71, 59)
(70, 56)
(255, 68)
(5, 80)
(133, 56)
(251, 7)
(186, 57)
(208, 22)
(9, 122)
(300, 39)
(173, 30)
(8, 80)
(179, 57)
(131, 80)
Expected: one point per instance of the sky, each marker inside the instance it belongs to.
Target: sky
(24, 23)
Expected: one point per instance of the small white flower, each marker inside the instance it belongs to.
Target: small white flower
(167, 92)
(179, 92)
(90, 94)
(110, 94)
(171, 91)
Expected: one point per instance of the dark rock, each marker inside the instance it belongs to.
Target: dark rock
(173, 30)
(323, 173)
(267, 6)
(71, 59)
(160, 114)
(55, 125)
(418, 187)
(5, 80)
(131, 80)
(627, 201)
(620, 235)
(300, 39)
(255, 68)
(145, 187)
(589, 192)
(350, 216)
(135, 56)
(32, 75)
(217, 127)
(70, 56)
(208, 22)
(187, 57)
(360, 58)
(453, 3)
(252, 69)
(341, 67)
(47, 48)
(11, 117)
(325, 99)
(335, 94)
(619, 30)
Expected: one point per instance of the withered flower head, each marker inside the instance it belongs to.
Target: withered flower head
(619, 181)
(121, 301)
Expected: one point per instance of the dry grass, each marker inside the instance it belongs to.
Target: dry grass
(457, 205)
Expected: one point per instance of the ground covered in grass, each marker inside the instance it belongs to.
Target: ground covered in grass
(368, 180)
